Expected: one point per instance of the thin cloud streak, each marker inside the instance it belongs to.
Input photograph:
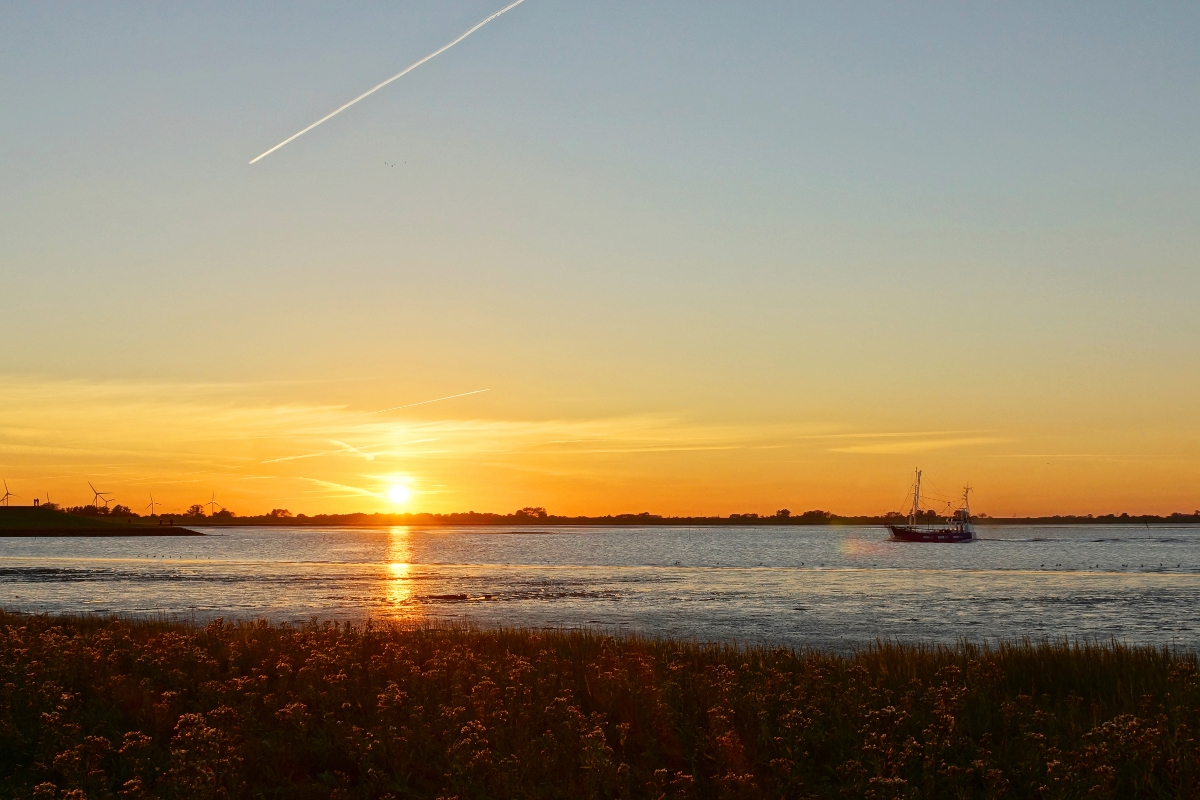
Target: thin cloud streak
(425, 402)
(353, 490)
(1094, 456)
(297, 458)
(920, 446)
(398, 75)
(346, 448)
(887, 435)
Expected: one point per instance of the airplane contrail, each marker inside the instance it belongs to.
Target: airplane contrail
(424, 402)
(389, 80)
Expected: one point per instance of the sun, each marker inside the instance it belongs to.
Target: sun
(399, 494)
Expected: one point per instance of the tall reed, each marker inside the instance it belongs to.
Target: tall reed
(95, 707)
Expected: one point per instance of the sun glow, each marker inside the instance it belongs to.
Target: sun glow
(399, 494)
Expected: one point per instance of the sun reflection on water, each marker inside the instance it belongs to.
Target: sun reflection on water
(398, 588)
(860, 548)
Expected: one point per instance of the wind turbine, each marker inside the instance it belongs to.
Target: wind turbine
(99, 497)
(213, 504)
(7, 494)
(152, 504)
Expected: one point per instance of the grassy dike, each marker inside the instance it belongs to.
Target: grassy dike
(30, 521)
(94, 707)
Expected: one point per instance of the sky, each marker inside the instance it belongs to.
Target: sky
(704, 257)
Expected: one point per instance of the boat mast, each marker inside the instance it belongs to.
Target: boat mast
(966, 523)
(916, 507)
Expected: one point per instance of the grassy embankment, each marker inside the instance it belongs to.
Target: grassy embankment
(96, 708)
(32, 521)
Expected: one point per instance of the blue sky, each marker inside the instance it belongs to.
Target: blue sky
(871, 218)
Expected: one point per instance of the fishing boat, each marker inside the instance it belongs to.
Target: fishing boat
(954, 527)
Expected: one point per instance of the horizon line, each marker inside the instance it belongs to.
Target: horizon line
(533, 514)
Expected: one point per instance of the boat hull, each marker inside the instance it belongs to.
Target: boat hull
(904, 533)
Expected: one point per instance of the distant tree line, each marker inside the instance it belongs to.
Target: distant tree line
(537, 515)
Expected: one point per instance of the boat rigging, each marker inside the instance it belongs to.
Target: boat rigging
(954, 527)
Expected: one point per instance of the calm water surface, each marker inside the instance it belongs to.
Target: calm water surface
(824, 586)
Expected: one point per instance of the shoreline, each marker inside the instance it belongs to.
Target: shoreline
(458, 521)
(94, 533)
(23, 518)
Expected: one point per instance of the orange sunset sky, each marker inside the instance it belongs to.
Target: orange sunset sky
(703, 259)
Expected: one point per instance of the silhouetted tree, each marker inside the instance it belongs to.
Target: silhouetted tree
(783, 512)
(279, 513)
(531, 512)
(194, 511)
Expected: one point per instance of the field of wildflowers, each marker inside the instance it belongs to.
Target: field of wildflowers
(94, 707)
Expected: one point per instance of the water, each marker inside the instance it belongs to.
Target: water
(823, 586)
